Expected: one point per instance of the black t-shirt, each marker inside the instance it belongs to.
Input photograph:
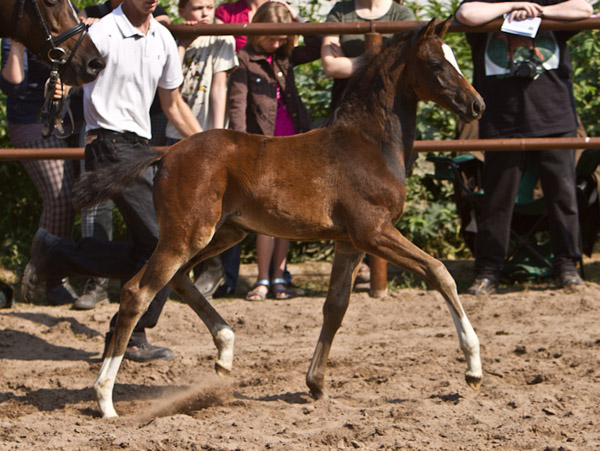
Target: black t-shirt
(523, 107)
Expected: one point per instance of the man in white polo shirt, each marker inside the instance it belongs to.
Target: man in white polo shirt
(141, 59)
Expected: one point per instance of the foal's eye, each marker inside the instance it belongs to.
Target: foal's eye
(52, 2)
(436, 66)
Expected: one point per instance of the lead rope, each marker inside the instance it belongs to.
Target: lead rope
(51, 113)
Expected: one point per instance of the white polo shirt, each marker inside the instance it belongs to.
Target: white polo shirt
(136, 64)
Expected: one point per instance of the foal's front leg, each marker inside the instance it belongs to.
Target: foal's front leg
(343, 272)
(388, 243)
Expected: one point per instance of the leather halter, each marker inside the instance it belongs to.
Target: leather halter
(56, 55)
(50, 114)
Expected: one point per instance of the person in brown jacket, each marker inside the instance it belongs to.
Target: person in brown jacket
(263, 99)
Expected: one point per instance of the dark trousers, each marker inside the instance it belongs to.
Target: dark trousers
(502, 173)
(117, 259)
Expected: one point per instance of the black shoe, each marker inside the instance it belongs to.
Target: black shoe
(223, 291)
(35, 271)
(59, 292)
(569, 279)
(146, 352)
(94, 294)
(483, 286)
(211, 278)
(6, 296)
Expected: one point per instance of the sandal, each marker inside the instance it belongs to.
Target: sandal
(257, 294)
(283, 292)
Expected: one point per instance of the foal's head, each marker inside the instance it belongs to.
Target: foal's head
(412, 66)
(433, 74)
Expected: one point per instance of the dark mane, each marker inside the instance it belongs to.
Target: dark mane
(370, 57)
(365, 83)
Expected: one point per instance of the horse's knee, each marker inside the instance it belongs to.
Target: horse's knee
(131, 304)
(444, 280)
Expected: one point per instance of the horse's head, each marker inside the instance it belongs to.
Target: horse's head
(51, 29)
(435, 75)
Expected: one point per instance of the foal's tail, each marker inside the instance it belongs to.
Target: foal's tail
(107, 181)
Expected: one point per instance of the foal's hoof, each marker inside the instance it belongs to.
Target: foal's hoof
(473, 382)
(221, 370)
(317, 392)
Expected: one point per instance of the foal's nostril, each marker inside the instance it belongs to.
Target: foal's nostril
(477, 107)
(94, 66)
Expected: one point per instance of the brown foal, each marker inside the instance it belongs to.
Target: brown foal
(344, 182)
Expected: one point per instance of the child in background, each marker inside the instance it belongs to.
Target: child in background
(264, 83)
(206, 61)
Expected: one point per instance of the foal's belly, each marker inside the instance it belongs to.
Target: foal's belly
(285, 225)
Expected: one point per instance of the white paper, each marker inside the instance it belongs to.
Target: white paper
(527, 27)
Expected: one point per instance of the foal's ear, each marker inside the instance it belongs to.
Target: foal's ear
(442, 27)
(427, 30)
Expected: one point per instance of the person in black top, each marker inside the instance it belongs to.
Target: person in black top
(528, 90)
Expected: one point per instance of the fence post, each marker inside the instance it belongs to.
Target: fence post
(378, 266)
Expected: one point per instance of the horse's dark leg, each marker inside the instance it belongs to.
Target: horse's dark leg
(343, 272)
(222, 334)
(388, 243)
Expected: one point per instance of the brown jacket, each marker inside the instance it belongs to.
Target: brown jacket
(252, 94)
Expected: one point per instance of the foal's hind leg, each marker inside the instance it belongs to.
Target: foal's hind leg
(222, 334)
(343, 272)
(135, 297)
(388, 243)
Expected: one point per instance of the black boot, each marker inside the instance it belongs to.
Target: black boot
(59, 292)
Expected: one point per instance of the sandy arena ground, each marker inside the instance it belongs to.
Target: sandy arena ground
(395, 376)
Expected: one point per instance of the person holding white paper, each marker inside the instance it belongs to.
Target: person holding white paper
(527, 87)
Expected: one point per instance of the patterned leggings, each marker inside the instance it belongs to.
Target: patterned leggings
(53, 179)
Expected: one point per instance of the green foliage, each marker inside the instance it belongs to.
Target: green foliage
(315, 90)
(20, 208)
(585, 55)
(19, 205)
(430, 219)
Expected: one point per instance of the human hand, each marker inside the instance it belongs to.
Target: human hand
(525, 10)
(335, 50)
(89, 21)
(60, 90)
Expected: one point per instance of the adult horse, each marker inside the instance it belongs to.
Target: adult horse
(345, 182)
(52, 30)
